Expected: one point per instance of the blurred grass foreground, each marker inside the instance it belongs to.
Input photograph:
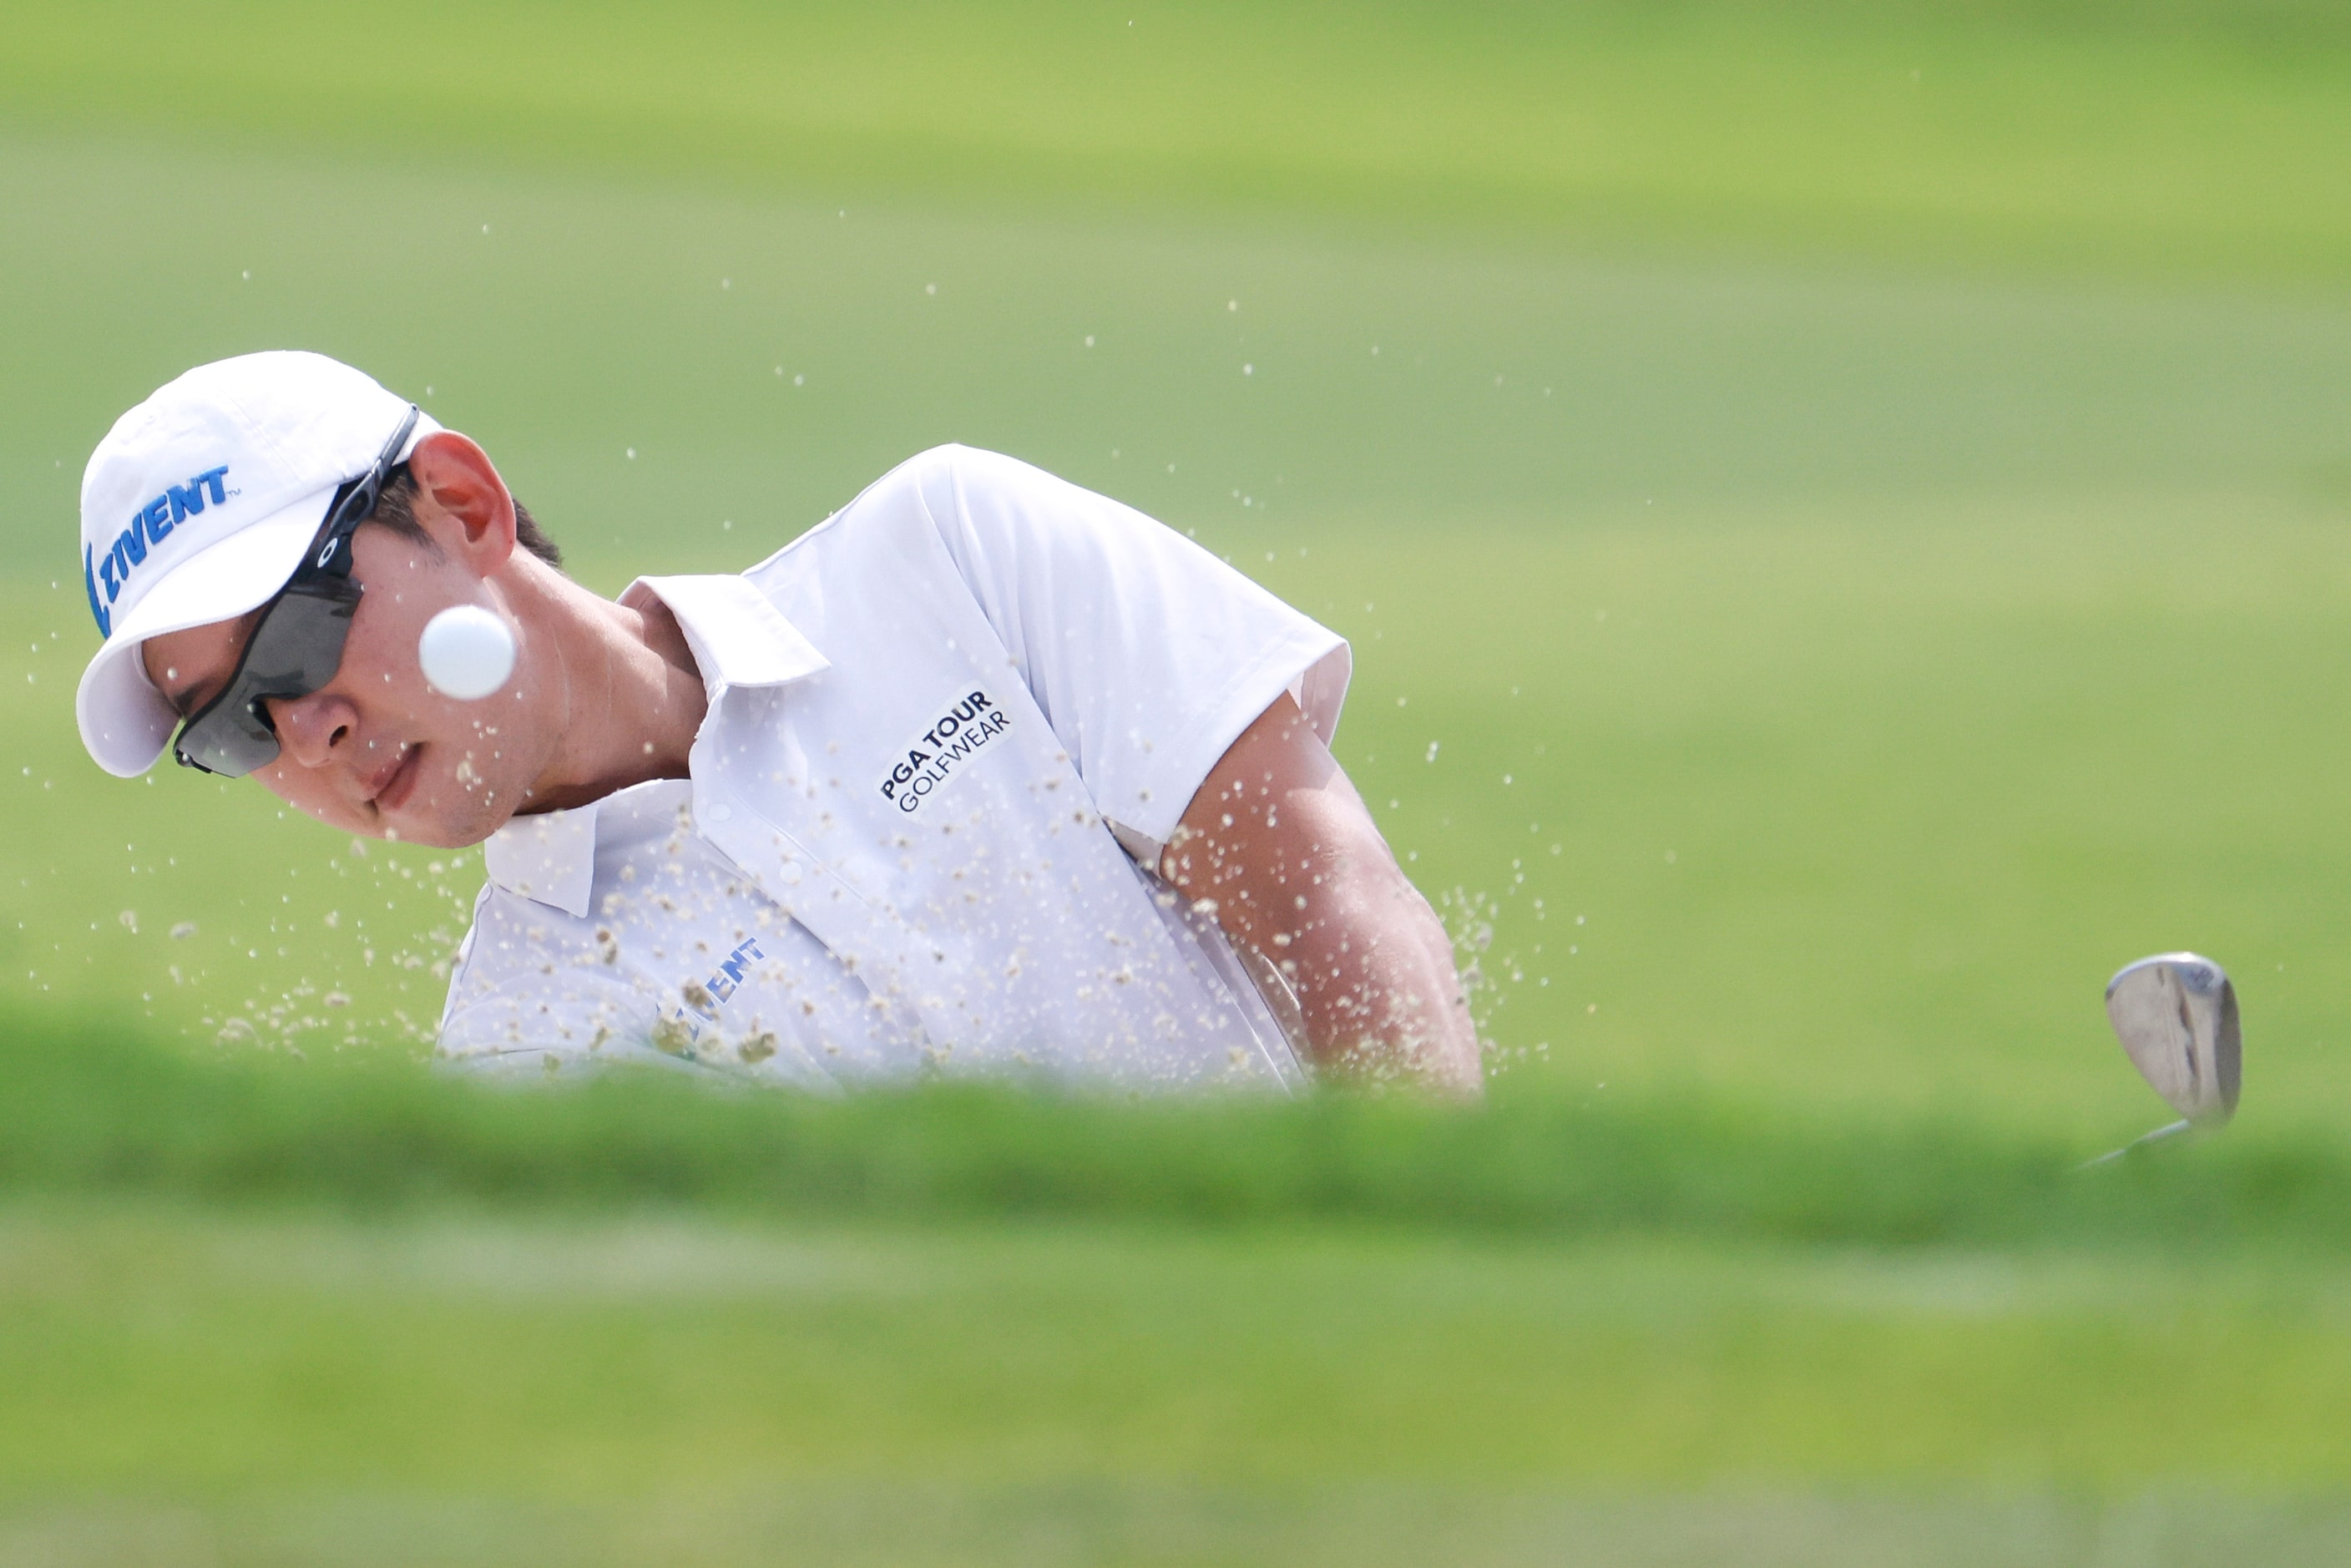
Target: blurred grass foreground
(266, 1310)
(92, 1109)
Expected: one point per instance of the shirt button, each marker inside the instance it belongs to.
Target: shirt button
(791, 873)
(721, 812)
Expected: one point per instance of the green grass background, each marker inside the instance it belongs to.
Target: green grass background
(1854, 495)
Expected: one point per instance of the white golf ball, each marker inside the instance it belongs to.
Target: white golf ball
(468, 652)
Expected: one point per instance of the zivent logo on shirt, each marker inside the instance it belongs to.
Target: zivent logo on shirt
(921, 767)
(677, 1030)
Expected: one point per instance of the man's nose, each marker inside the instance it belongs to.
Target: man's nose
(312, 729)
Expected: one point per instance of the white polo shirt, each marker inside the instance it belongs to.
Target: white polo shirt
(949, 731)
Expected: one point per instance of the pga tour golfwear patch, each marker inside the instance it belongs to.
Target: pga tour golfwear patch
(921, 766)
(1044, 675)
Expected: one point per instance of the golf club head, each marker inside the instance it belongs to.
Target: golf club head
(2176, 1014)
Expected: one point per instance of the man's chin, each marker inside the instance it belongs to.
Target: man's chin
(446, 824)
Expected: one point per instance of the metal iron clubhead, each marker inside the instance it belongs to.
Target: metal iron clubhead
(2176, 1014)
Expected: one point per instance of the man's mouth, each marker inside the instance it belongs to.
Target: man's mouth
(390, 790)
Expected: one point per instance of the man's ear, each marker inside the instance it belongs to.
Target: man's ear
(461, 500)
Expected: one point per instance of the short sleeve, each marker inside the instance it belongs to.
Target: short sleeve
(1147, 654)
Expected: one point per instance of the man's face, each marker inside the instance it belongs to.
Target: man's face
(377, 751)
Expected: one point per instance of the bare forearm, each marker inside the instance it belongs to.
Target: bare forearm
(1375, 978)
(1281, 848)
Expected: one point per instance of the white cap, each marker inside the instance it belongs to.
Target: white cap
(198, 505)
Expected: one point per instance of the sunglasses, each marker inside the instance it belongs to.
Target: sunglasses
(298, 645)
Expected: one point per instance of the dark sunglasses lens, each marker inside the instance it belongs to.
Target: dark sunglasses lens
(294, 651)
(229, 741)
(299, 645)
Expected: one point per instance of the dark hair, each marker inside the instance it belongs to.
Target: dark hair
(396, 510)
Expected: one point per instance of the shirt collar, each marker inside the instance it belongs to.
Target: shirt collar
(548, 857)
(739, 639)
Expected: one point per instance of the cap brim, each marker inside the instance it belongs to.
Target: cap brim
(125, 722)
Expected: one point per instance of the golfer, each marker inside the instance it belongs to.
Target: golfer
(985, 774)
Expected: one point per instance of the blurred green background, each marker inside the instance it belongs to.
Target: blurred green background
(1841, 512)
